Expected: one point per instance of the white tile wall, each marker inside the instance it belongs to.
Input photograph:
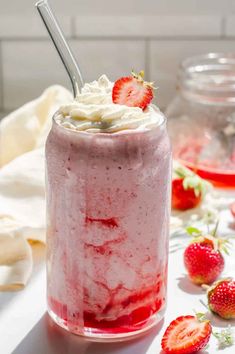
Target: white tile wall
(148, 26)
(115, 58)
(124, 7)
(112, 44)
(29, 26)
(165, 57)
(230, 26)
(28, 68)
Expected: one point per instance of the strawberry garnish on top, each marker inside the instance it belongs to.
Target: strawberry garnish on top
(133, 91)
(185, 335)
(188, 189)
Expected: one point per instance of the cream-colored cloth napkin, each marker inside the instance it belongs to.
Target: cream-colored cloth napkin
(22, 188)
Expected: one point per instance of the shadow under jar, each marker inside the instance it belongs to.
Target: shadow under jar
(202, 117)
(108, 207)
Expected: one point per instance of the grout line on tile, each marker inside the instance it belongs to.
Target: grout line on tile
(146, 59)
(114, 38)
(73, 27)
(223, 27)
(165, 38)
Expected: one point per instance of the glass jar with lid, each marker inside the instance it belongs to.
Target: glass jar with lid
(202, 117)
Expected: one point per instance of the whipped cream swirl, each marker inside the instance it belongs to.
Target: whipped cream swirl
(94, 111)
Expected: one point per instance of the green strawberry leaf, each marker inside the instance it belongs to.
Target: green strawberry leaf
(193, 231)
(182, 172)
(225, 245)
(201, 316)
(225, 250)
(198, 184)
(192, 180)
(215, 229)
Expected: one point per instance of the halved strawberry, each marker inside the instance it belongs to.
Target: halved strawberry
(133, 91)
(186, 334)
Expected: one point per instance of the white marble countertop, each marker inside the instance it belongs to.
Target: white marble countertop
(26, 329)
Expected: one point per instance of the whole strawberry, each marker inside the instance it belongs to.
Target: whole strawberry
(203, 259)
(221, 298)
(188, 189)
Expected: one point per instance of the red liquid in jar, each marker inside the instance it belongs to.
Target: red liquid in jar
(213, 171)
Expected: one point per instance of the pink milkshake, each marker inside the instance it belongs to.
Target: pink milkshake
(108, 192)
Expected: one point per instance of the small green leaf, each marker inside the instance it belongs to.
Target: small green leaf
(215, 229)
(179, 174)
(225, 250)
(193, 231)
(197, 191)
(201, 316)
(225, 245)
(189, 182)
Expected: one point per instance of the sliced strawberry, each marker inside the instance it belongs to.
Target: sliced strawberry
(232, 208)
(132, 91)
(185, 335)
(183, 199)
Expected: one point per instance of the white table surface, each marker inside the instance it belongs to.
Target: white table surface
(26, 329)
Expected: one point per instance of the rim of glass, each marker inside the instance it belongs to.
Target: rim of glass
(222, 58)
(208, 78)
(209, 65)
(161, 125)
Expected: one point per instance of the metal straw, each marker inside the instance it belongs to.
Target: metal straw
(61, 45)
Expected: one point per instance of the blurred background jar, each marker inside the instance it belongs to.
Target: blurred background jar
(201, 118)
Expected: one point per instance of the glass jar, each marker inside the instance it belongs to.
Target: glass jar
(108, 207)
(202, 117)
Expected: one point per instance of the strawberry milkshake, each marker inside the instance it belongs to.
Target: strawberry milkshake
(108, 192)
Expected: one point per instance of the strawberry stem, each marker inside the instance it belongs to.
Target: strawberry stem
(201, 317)
(216, 228)
(140, 77)
(205, 287)
(191, 180)
(203, 303)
